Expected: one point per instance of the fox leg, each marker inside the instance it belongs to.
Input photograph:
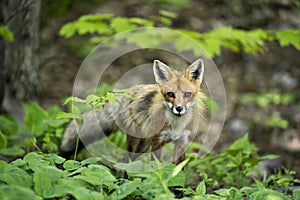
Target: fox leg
(179, 151)
(136, 146)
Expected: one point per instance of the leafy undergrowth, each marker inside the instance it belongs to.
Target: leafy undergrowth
(227, 174)
(40, 173)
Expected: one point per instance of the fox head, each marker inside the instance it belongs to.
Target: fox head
(179, 90)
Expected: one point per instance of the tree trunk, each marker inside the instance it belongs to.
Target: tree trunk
(20, 66)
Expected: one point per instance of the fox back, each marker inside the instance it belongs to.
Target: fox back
(168, 111)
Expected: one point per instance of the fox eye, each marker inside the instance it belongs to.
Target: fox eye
(187, 94)
(170, 94)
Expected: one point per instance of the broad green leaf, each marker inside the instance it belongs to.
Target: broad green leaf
(56, 123)
(54, 158)
(86, 194)
(139, 166)
(66, 186)
(201, 189)
(42, 183)
(173, 174)
(35, 119)
(126, 189)
(242, 145)
(90, 161)
(8, 125)
(36, 161)
(97, 175)
(45, 180)
(235, 194)
(296, 194)
(223, 192)
(19, 163)
(14, 151)
(267, 194)
(13, 192)
(14, 176)
(71, 165)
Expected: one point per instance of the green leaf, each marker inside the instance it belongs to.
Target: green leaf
(165, 21)
(42, 183)
(95, 17)
(289, 37)
(36, 161)
(65, 186)
(296, 194)
(267, 194)
(68, 115)
(241, 144)
(72, 165)
(97, 175)
(68, 30)
(179, 168)
(174, 174)
(13, 192)
(14, 151)
(35, 119)
(73, 100)
(8, 125)
(86, 194)
(120, 24)
(90, 161)
(138, 165)
(141, 22)
(14, 176)
(126, 189)
(3, 141)
(235, 194)
(54, 158)
(6, 34)
(168, 14)
(278, 122)
(223, 192)
(201, 189)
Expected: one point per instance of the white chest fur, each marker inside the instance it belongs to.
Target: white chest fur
(178, 128)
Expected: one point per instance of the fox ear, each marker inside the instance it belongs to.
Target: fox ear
(161, 71)
(195, 71)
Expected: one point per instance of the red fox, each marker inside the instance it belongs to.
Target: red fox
(168, 111)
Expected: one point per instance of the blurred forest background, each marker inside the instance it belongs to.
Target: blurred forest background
(262, 88)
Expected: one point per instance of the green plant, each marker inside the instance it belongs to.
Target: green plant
(41, 130)
(49, 176)
(265, 101)
(231, 167)
(6, 34)
(102, 26)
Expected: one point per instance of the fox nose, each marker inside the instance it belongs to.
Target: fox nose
(179, 109)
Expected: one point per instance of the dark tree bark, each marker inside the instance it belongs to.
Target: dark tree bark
(20, 64)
